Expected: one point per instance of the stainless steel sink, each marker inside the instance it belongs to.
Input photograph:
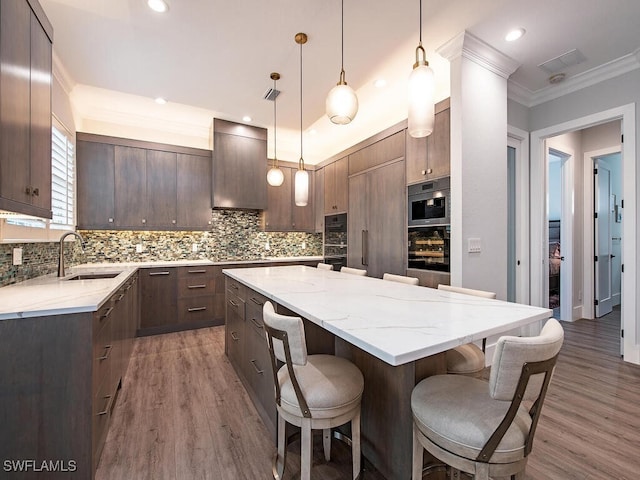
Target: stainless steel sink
(93, 276)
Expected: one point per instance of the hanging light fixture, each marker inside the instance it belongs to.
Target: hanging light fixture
(342, 102)
(275, 177)
(302, 176)
(421, 93)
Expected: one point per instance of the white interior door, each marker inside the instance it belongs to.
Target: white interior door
(602, 226)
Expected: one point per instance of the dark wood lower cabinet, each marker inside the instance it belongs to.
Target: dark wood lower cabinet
(59, 381)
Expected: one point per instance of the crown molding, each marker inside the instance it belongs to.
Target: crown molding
(469, 46)
(62, 74)
(615, 68)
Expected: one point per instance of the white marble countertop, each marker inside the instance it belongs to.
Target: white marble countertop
(395, 322)
(50, 295)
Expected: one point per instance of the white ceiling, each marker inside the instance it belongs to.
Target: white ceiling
(217, 55)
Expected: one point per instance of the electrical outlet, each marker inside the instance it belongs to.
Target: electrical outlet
(194, 247)
(304, 245)
(139, 248)
(267, 246)
(17, 256)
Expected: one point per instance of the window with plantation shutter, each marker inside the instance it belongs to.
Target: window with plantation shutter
(62, 179)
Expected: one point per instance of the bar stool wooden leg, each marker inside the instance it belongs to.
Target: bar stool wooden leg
(355, 445)
(326, 443)
(306, 447)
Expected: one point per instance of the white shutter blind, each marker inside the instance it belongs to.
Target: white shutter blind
(62, 179)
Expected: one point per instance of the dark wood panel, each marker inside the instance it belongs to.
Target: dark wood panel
(15, 59)
(194, 191)
(277, 216)
(158, 290)
(129, 142)
(40, 133)
(357, 220)
(130, 187)
(439, 145)
(161, 190)
(95, 165)
(239, 129)
(342, 185)
(303, 218)
(318, 199)
(194, 309)
(389, 148)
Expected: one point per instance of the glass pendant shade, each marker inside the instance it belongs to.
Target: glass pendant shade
(275, 177)
(302, 188)
(342, 104)
(421, 101)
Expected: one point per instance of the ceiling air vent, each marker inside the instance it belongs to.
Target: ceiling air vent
(271, 94)
(562, 62)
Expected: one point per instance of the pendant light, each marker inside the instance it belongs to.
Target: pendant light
(302, 176)
(275, 177)
(421, 93)
(342, 102)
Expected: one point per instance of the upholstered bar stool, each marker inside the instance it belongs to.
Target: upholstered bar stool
(487, 430)
(325, 266)
(400, 279)
(467, 359)
(313, 392)
(354, 271)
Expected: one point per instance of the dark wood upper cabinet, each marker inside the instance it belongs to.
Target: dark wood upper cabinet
(429, 157)
(95, 169)
(135, 185)
(318, 199)
(194, 191)
(239, 166)
(303, 218)
(25, 116)
(336, 186)
(282, 214)
(162, 186)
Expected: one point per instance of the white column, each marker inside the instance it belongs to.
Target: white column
(479, 76)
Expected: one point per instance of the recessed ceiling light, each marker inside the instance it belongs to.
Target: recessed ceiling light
(246, 118)
(160, 101)
(380, 83)
(515, 34)
(159, 6)
(313, 131)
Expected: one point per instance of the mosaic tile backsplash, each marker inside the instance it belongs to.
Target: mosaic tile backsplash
(235, 235)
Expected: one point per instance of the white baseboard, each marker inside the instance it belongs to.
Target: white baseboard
(576, 313)
(616, 299)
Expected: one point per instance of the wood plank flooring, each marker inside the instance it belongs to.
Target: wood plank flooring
(183, 414)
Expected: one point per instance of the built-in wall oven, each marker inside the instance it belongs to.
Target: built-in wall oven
(430, 203)
(335, 240)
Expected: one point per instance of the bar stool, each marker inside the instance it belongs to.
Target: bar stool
(313, 392)
(354, 271)
(480, 427)
(400, 279)
(324, 266)
(467, 359)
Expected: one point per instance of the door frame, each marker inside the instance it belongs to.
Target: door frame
(627, 113)
(519, 139)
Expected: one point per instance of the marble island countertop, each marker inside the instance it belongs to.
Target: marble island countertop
(395, 322)
(50, 295)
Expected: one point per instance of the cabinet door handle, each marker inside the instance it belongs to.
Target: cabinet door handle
(233, 303)
(196, 271)
(255, 366)
(107, 351)
(196, 309)
(120, 298)
(257, 302)
(196, 286)
(36, 192)
(107, 313)
(233, 286)
(365, 247)
(153, 274)
(107, 407)
(234, 336)
(256, 323)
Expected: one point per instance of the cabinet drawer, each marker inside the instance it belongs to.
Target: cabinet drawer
(195, 286)
(102, 354)
(101, 317)
(199, 271)
(195, 309)
(259, 375)
(236, 288)
(101, 413)
(254, 315)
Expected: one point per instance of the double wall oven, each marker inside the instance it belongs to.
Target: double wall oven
(429, 206)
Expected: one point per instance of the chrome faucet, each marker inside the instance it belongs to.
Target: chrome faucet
(61, 257)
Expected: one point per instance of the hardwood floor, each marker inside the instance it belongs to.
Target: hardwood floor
(183, 414)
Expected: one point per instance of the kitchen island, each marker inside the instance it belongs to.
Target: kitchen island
(396, 334)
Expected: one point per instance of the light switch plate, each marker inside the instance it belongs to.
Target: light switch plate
(139, 248)
(475, 245)
(17, 256)
(194, 247)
